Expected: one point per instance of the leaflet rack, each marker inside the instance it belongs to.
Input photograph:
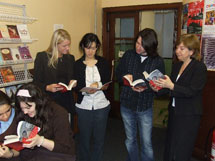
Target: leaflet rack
(14, 13)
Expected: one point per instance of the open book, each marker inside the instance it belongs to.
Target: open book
(65, 87)
(139, 83)
(25, 131)
(154, 75)
(88, 89)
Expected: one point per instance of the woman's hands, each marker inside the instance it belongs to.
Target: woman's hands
(5, 152)
(53, 87)
(35, 141)
(165, 83)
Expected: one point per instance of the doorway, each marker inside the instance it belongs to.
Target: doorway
(120, 27)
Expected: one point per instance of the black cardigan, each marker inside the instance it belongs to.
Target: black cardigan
(80, 68)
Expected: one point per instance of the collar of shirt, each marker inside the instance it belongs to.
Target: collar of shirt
(143, 57)
(6, 125)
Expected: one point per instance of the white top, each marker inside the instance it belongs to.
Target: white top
(96, 100)
(173, 99)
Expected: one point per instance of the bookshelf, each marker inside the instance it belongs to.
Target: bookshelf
(16, 14)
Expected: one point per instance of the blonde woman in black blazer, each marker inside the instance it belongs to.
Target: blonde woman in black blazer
(186, 83)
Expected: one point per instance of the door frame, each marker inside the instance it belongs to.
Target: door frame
(109, 10)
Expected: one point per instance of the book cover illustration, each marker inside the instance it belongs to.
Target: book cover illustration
(13, 32)
(15, 54)
(1, 35)
(7, 74)
(24, 52)
(25, 131)
(4, 32)
(6, 54)
(11, 91)
(154, 75)
(88, 89)
(23, 31)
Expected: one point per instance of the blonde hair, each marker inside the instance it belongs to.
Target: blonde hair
(58, 37)
(191, 41)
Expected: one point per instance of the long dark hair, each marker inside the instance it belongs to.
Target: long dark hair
(4, 99)
(42, 110)
(149, 41)
(87, 41)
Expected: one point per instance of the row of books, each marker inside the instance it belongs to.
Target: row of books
(19, 31)
(8, 74)
(18, 54)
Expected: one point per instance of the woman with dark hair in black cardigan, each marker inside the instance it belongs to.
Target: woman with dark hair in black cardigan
(92, 107)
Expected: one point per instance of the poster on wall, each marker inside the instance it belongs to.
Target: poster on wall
(208, 35)
(208, 51)
(195, 17)
(209, 20)
(184, 19)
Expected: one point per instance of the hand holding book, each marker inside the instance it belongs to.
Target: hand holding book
(138, 85)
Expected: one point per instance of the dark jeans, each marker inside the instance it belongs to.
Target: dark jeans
(92, 123)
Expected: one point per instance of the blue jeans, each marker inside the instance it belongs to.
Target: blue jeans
(92, 125)
(143, 121)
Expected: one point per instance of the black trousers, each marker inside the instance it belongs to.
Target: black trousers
(181, 134)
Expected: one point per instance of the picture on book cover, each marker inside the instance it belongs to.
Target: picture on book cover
(4, 32)
(7, 74)
(6, 54)
(13, 32)
(15, 54)
(24, 52)
(11, 91)
(1, 35)
(23, 31)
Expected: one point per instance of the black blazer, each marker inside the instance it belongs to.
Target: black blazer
(188, 88)
(45, 75)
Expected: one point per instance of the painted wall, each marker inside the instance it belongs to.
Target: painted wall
(76, 16)
(117, 3)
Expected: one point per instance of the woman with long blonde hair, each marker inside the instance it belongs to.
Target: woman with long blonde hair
(55, 65)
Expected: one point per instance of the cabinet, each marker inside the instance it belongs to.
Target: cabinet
(15, 14)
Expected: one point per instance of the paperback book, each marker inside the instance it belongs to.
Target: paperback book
(4, 32)
(24, 52)
(154, 75)
(25, 131)
(88, 89)
(139, 83)
(7, 74)
(6, 54)
(13, 32)
(23, 31)
(67, 87)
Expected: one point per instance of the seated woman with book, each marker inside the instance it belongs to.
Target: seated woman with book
(55, 138)
(7, 127)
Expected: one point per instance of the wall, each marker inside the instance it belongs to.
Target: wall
(117, 3)
(76, 16)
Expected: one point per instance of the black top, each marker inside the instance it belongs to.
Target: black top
(130, 63)
(188, 88)
(45, 75)
(80, 68)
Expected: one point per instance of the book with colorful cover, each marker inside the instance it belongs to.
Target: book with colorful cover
(154, 75)
(15, 54)
(1, 35)
(23, 31)
(24, 52)
(25, 131)
(4, 32)
(13, 32)
(6, 54)
(7, 74)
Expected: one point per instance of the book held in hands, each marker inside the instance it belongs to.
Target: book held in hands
(154, 75)
(88, 89)
(139, 83)
(67, 87)
(25, 131)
